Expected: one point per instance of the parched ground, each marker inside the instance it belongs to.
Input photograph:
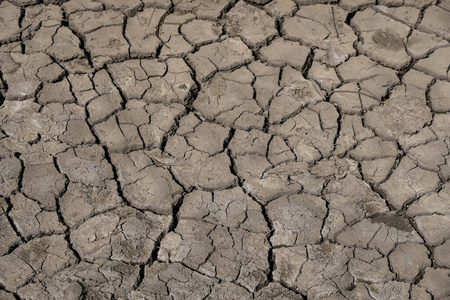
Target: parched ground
(223, 149)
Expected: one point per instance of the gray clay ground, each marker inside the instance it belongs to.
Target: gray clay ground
(222, 149)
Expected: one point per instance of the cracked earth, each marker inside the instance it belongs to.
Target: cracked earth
(223, 149)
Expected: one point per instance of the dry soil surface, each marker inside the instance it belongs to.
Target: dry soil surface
(223, 149)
